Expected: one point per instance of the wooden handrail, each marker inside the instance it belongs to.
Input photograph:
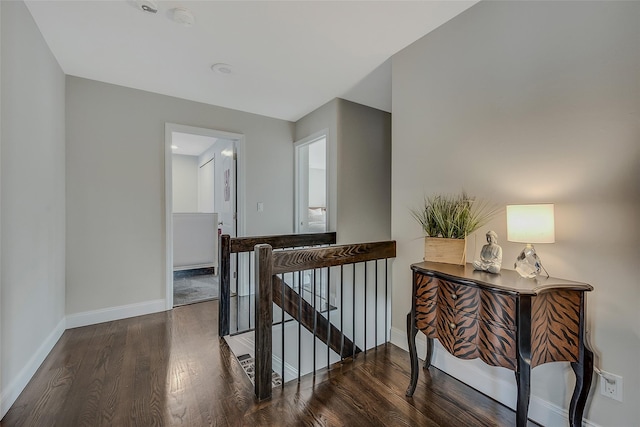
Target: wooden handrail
(246, 244)
(229, 245)
(308, 259)
(270, 288)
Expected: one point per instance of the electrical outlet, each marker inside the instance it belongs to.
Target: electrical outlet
(611, 385)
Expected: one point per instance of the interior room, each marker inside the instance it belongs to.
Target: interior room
(510, 102)
(195, 220)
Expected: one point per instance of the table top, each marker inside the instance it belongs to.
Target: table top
(507, 280)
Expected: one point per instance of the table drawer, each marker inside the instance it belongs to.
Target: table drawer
(426, 316)
(497, 309)
(457, 331)
(459, 297)
(497, 345)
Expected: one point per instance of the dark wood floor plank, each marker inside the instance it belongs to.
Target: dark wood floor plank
(172, 369)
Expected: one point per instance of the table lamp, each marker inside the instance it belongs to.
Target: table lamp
(530, 224)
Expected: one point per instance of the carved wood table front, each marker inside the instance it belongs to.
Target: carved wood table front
(505, 320)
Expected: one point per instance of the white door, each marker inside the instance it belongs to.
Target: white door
(226, 205)
(311, 185)
(226, 199)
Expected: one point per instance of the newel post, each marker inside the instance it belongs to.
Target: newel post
(224, 266)
(264, 321)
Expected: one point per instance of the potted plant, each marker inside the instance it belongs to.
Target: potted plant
(447, 220)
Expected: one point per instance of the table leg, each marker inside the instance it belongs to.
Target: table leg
(523, 381)
(427, 358)
(583, 369)
(412, 331)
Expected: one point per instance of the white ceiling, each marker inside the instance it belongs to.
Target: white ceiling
(189, 144)
(288, 57)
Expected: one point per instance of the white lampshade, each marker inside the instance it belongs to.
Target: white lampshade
(530, 223)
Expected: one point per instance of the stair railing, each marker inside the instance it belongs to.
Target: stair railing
(241, 246)
(355, 270)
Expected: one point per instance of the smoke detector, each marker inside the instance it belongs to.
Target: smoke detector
(182, 16)
(149, 6)
(221, 68)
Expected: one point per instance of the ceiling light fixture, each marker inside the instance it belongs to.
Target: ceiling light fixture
(174, 147)
(183, 16)
(221, 68)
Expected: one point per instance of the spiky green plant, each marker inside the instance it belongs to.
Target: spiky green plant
(453, 216)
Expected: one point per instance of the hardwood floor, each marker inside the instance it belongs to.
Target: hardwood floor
(171, 369)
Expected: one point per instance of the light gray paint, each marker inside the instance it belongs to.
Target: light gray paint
(324, 119)
(115, 204)
(359, 153)
(185, 183)
(33, 197)
(364, 173)
(1, 387)
(525, 102)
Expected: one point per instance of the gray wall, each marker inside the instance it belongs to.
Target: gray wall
(359, 158)
(115, 187)
(364, 173)
(325, 118)
(33, 194)
(526, 102)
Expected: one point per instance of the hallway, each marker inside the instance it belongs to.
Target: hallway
(171, 369)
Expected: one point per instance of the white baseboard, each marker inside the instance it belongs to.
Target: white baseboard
(115, 313)
(540, 411)
(290, 372)
(13, 390)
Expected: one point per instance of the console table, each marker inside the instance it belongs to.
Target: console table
(505, 320)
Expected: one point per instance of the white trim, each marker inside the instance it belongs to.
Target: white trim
(115, 313)
(542, 412)
(241, 185)
(168, 215)
(290, 372)
(239, 141)
(324, 133)
(13, 390)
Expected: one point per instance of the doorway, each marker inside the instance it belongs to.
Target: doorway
(311, 209)
(311, 184)
(203, 194)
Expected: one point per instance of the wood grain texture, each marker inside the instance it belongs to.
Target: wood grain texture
(309, 259)
(236, 245)
(264, 321)
(246, 244)
(172, 369)
(449, 251)
(224, 263)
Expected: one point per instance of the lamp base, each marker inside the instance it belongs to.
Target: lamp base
(528, 263)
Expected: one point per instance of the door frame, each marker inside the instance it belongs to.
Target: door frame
(296, 208)
(239, 139)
